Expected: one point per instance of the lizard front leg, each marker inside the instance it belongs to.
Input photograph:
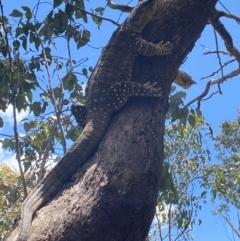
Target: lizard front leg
(163, 48)
(146, 48)
(115, 96)
(79, 112)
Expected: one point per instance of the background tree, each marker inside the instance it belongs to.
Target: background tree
(224, 179)
(181, 197)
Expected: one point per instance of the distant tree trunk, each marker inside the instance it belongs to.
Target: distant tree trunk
(113, 197)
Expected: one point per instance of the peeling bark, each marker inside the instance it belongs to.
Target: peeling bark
(113, 197)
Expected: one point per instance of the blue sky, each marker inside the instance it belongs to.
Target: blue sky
(215, 110)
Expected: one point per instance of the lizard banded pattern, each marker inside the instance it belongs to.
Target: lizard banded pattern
(182, 79)
(108, 89)
(149, 49)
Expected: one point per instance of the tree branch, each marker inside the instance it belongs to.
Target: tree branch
(231, 225)
(228, 41)
(208, 85)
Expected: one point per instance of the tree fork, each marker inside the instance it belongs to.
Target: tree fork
(113, 197)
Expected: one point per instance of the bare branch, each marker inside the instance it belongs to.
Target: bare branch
(216, 52)
(225, 35)
(210, 130)
(121, 7)
(212, 82)
(216, 71)
(60, 103)
(214, 93)
(10, 136)
(69, 53)
(229, 15)
(231, 225)
(227, 38)
(219, 58)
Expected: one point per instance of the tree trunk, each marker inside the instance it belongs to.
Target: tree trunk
(113, 197)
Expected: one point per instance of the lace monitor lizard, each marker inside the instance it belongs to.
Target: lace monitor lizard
(108, 89)
(182, 79)
(79, 111)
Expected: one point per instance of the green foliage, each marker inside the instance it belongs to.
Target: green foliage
(183, 170)
(20, 77)
(10, 198)
(224, 178)
(177, 111)
(187, 168)
(28, 55)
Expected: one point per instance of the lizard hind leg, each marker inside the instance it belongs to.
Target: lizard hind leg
(146, 90)
(117, 95)
(79, 112)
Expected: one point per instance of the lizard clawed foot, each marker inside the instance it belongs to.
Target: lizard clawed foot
(149, 84)
(166, 46)
(154, 92)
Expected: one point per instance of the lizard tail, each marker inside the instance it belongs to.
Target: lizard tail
(59, 175)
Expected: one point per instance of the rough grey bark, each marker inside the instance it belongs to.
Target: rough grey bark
(113, 197)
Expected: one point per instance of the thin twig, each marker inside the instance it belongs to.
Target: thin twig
(159, 225)
(231, 225)
(69, 54)
(219, 59)
(36, 7)
(216, 71)
(10, 136)
(60, 103)
(57, 110)
(216, 52)
(186, 226)
(52, 132)
(92, 14)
